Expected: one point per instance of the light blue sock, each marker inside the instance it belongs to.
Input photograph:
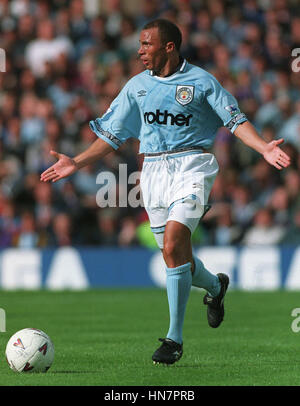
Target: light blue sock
(202, 278)
(179, 282)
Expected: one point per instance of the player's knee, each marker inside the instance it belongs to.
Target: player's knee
(175, 254)
(177, 245)
(171, 249)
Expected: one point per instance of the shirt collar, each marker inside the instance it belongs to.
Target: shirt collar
(180, 70)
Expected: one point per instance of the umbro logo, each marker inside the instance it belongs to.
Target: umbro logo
(142, 93)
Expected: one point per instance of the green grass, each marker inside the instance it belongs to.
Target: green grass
(107, 337)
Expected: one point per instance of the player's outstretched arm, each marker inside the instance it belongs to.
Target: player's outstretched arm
(272, 153)
(66, 166)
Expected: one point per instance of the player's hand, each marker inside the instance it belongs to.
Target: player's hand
(275, 156)
(65, 166)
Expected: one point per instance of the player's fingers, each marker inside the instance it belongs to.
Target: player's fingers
(56, 178)
(54, 153)
(281, 163)
(48, 176)
(278, 142)
(49, 170)
(285, 156)
(280, 152)
(284, 162)
(275, 162)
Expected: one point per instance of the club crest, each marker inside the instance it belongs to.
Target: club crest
(184, 94)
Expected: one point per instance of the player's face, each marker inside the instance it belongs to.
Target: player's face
(152, 52)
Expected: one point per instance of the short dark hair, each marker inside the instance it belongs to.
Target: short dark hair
(168, 31)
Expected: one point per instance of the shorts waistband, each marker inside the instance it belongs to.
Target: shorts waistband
(175, 151)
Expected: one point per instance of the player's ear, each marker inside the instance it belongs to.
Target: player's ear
(170, 46)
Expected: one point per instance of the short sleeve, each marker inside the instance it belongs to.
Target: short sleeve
(120, 122)
(224, 104)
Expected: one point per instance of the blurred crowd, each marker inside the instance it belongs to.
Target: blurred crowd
(67, 60)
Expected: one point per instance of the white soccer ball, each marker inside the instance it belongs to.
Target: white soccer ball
(29, 350)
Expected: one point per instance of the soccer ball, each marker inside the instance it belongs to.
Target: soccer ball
(29, 350)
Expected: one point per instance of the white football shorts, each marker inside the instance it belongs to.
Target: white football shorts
(176, 186)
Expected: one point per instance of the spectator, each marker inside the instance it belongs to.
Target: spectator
(280, 205)
(219, 21)
(9, 222)
(44, 205)
(61, 231)
(127, 235)
(107, 222)
(149, 10)
(264, 231)
(129, 41)
(291, 235)
(269, 112)
(236, 30)
(32, 126)
(243, 207)
(227, 231)
(243, 58)
(292, 187)
(27, 235)
(46, 48)
(290, 129)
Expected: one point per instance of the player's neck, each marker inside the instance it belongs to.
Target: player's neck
(172, 66)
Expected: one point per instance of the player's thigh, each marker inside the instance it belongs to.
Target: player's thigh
(158, 220)
(183, 219)
(154, 185)
(187, 212)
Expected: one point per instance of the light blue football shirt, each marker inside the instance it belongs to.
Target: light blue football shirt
(176, 112)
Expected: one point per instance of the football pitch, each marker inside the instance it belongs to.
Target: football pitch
(107, 337)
